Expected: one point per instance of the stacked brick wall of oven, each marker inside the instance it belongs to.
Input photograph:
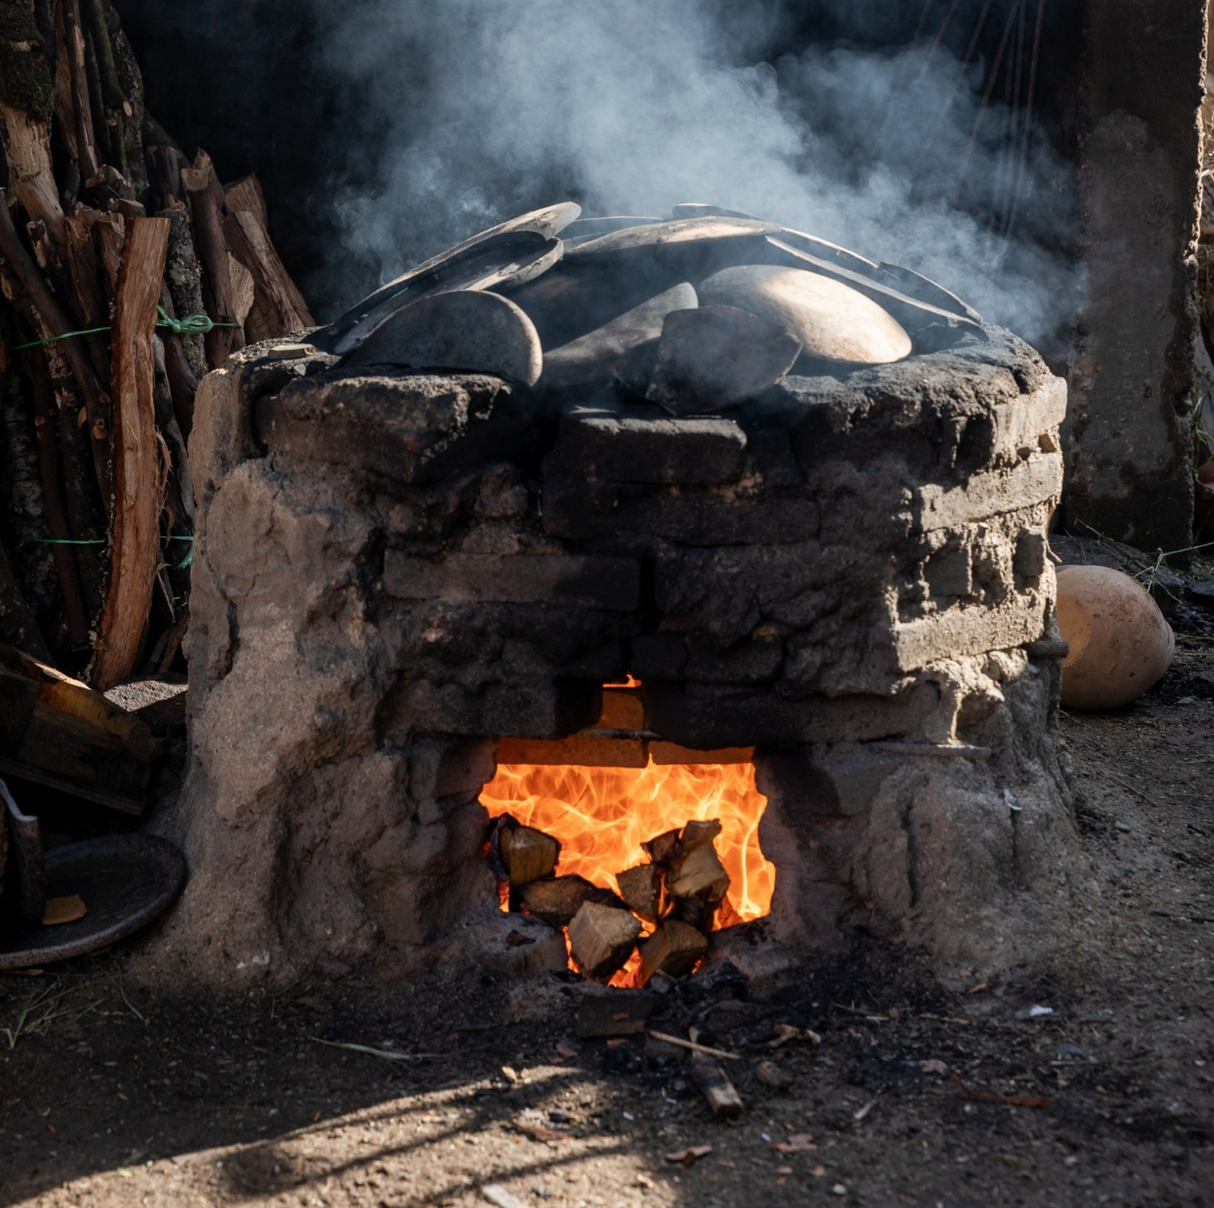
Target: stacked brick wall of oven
(394, 571)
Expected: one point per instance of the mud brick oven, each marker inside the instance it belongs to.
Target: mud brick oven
(400, 575)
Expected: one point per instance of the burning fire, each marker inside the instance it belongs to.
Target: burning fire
(601, 816)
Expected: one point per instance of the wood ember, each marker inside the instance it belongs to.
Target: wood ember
(601, 939)
(558, 899)
(641, 889)
(528, 854)
(675, 949)
(86, 169)
(678, 895)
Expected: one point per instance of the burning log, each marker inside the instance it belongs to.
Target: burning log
(675, 949)
(641, 889)
(556, 901)
(527, 854)
(601, 939)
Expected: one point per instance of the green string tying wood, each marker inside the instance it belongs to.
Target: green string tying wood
(102, 541)
(192, 325)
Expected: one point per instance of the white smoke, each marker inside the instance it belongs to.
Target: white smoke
(484, 108)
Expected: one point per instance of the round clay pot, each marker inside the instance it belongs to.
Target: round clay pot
(1120, 644)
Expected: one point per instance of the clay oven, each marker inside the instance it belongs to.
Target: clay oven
(403, 576)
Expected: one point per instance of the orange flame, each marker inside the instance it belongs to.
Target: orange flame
(601, 816)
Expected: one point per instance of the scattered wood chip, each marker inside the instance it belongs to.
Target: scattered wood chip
(689, 1156)
(695, 1048)
(715, 1086)
(981, 1096)
(539, 1132)
(565, 1050)
(786, 1032)
(386, 1054)
(770, 1074)
(797, 1143)
(63, 910)
(933, 1065)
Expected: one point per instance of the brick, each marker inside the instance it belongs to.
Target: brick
(568, 579)
(973, 629)
(658, 656)
(750, 662)
(521, 708)
(408, 428)
(708, 716)
(622, 710)
(642, 444)
(586, 750)
(984, 496)
(577, 509)
(668, 753)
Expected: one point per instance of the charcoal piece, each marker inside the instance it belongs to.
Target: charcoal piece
(717, 356)
(831, 320)
(467, 330)
(606, 350)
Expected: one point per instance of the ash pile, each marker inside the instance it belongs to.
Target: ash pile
(696, 313)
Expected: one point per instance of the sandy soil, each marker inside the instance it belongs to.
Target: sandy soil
(1087, 1081)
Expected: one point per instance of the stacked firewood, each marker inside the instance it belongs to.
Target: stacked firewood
(663, 912)
(107, 228)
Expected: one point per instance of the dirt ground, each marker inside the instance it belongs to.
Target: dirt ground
(1089, 1080)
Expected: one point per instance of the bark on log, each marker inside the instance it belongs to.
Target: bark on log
(139, 468)
(206, 207)
(279, 307)
(75, 111)
(55, 507)
(47, 317)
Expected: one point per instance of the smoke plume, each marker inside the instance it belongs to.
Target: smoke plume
(477, 109)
